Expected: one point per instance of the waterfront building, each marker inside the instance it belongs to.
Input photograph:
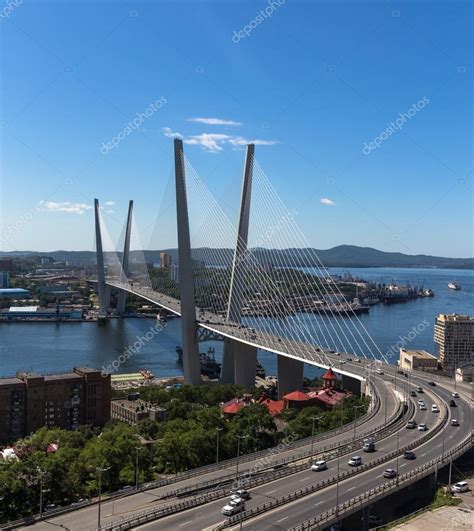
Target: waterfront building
(417, 359)
(165, 260)
(68, 400)
(35, 313)
(133, 410)
(4, 279)
(454, 338)
(15, 293)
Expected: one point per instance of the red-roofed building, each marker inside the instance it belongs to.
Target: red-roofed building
(275, 407)
(327, 398)
(295, 399)
(329, 379)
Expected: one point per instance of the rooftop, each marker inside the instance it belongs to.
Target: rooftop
(454, 317)
(418, 353)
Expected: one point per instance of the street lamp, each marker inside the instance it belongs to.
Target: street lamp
(217, 443)
(312, 435)
(355, 419)
(137, 475)
(41, 473)
(99, 471)
(239, 438)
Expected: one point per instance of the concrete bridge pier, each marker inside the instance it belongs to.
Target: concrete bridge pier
(245, 360)
(353, 385)
(290, 375)
(228, 362)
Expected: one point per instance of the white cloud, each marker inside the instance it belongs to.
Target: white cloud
(327, 201)
(214, 121)
(109, 203)
(65, 206)
(167, 132)
(213, 142)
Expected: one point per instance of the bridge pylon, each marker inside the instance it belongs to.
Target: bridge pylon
(239, 361)
(103, 291)
(122, 296)
(190, 345)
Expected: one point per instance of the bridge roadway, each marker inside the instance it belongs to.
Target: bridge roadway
(260, 339)
(208, 516)
(84, 519)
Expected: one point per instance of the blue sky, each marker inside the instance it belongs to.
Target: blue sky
(312, 84)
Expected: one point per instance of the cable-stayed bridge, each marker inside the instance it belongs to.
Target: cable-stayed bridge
(257, 285)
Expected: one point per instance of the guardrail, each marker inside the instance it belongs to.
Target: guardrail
(251, 513)
(151, 515)
(328, 452)
(356, 503)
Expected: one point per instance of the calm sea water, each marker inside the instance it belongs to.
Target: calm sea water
(50, 347)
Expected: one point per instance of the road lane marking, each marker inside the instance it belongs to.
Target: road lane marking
(185, 523)
(281, 519)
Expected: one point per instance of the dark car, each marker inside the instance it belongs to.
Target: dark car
(411, 424)
(412, 393)
(409, 455)
(432, 384)
(452, 403)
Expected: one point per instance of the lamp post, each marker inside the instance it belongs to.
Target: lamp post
(137, 475)
(312, 435)
(218, 430)
(41, 473)
(99, 471)
(337, 488)
(355, 419)
(239, 438)
(398, 449)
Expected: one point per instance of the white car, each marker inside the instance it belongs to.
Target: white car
(422, 427)
(434, 408)
(233, 507)
(319, 465)
(421, 402)
(379, 371)
(455, 422)
(355, 460)
(461, 486)
(455, 394)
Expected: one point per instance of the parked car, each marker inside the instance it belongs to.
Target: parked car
(355, 460)
(233, 507)
(408, 454)
(455, 394)
(389, 473)
(455, 422)
(452, 403)
(422, 427)
(317, 466)
(460, 486)
(410, 425)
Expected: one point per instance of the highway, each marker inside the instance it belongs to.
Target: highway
(208, 517)
(82, 519)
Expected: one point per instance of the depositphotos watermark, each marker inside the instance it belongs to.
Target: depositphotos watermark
(262, 15)
(9, 8)
(8, 231)
(398, 124)
(131, 350)
(133, 125)
(403, 341)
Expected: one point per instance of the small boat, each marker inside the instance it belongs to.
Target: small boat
(147, 375)
(454, 285)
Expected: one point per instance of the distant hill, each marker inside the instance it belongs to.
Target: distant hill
(340, 256)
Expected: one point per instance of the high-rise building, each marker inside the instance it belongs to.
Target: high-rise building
(31, 401)
(4, 279)
(454, 338)
(165, 260)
